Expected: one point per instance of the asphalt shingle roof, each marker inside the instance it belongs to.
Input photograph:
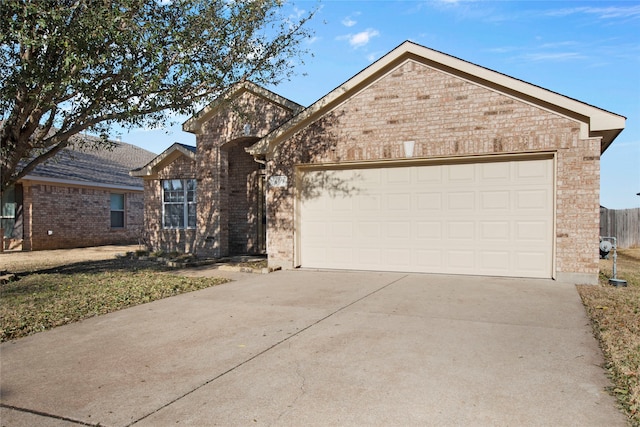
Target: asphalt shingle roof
(106, 167)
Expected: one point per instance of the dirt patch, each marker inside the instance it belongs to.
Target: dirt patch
(18, 261)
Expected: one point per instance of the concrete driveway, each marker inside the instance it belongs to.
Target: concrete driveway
(298, 348)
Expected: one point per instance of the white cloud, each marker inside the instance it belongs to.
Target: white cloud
(360, 39)
(297, 13)
(553, 56)
(348, 22)
(610, 12)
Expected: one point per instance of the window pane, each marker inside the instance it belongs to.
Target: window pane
(192, 215)
(117, 219)
(117, 202)
(174, 196)
(7, 224)
(172, 184)
(174, 215)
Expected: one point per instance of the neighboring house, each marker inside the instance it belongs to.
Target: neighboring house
(422, 162)
(80, 198)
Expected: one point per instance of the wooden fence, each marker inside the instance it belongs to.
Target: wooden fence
(623, 224)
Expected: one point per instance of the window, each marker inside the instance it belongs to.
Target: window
(117, 211)
(179, 203)
(8, 211)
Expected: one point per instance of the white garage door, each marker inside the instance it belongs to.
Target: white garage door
(492, 218)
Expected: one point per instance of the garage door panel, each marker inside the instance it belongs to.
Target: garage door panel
(483, 218)
(533, 263)
(463, 261)
(461, 201)
(369, 202)
(532, 231)
(461, 230)
(340, 256)
(463, 173)
(534, 171)
(429, 259)
(341, 230)
(398, 257)
(495, 200)
(369, 256)
(341, 204)
(399, 202)
(495, 231)
(494, 172)
(314, 229)
(496, 262)
(532, 199)
(430, 176)
(399, 230)
(368, 230)
(429, 230)
(429, 202)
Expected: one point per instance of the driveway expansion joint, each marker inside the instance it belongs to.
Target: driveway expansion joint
(47, 415)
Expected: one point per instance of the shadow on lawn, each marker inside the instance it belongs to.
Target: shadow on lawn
(103, 266)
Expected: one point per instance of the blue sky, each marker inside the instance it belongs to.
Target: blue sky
(587, 50)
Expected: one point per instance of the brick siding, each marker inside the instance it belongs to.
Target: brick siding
(58, 216)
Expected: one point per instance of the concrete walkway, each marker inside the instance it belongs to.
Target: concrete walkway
(306, 348)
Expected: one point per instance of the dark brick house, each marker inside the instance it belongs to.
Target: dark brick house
(80, 198)
(422, 162)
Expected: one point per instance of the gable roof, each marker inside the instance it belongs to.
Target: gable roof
(94, 167)
(166, 157)
(194, 124)
(596, 121)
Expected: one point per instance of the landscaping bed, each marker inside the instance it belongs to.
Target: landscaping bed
(615, 316)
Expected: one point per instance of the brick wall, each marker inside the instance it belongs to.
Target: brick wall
(243, 197)
(58, 216)
(446, 116)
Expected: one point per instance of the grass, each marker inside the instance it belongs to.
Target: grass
(615, 316)
(45, 299)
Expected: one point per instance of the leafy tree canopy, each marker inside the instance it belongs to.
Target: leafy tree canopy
(72, 66)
